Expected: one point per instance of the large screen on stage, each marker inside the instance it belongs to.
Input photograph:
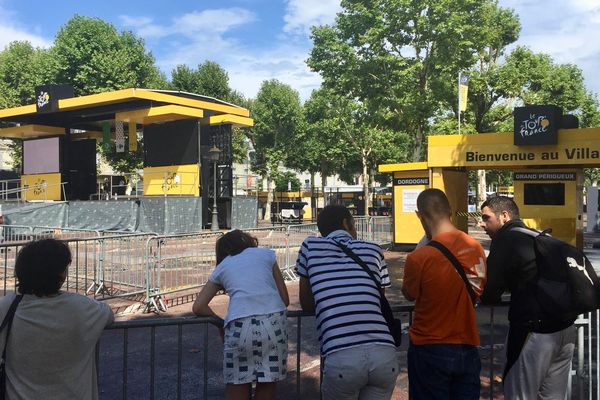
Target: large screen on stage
(41, 156)
(171, 143)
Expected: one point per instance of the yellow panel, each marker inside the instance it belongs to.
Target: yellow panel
(41, 186)
(402, 167)
(97, 99)
(132, 93)
(564, 220)
(235, 120)
(407, 227)
(455, 185)
(173, 180)
(579, 147)
(206, 105)
(30, 131)
(159, 114)
(16, 111)
(90, 135)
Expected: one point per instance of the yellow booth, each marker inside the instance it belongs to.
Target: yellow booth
(547, 164)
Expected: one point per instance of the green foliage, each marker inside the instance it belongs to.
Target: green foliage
(22, 68)
(399, 58)
(279, 127)
(282, 179)
(209, 79)
(91, 55)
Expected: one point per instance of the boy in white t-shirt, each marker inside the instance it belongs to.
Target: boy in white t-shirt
(255, 335)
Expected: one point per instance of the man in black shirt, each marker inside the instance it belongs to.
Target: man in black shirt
(539, 348)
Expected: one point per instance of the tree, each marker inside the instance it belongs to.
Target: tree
(500, 28)
(282, 180)
(94, 57)
(278, 130)
(22, 68)
(399, 58)
(209, 79)
(324, 151)
(91, 55)
(342, 138)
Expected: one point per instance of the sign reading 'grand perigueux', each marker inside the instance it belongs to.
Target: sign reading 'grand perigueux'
(496, 150)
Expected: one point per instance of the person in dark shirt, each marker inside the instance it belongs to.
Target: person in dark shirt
(539, 348)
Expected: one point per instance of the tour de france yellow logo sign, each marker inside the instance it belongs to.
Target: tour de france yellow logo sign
(43, 99)
(536, 125)
(40, 186)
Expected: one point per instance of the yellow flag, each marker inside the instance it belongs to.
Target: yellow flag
(463, 91)
(132, 136)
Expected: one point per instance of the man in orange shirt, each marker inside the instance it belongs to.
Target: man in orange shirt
(443, 360)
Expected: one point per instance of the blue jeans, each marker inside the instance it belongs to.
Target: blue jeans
(443, 371)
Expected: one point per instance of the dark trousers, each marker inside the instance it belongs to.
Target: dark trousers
(443, 371)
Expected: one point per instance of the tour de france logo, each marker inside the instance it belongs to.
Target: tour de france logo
(43, 99)
(534, 125)
(39, 187)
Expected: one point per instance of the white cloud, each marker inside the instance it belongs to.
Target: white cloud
(301, 15)
(213, 22)
(10, 31)
(568, 30)
(285, 63)
(194, 37)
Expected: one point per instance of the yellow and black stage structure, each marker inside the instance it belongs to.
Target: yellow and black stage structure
(60, 132)
(546, 153)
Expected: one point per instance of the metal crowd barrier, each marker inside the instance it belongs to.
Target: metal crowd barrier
(295, 236)
(41, 232)
(274, 238)
(123, 263)
(124, 370)
(108, 266)
(177, 263)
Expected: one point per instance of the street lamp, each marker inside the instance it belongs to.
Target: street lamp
(213, 155)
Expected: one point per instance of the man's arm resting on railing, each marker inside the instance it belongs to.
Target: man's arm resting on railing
(307, 301)
(201, 307)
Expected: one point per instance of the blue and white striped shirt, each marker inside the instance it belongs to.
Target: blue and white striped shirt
(346, 299)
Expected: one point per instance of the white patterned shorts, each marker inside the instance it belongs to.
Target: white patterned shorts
(255, 349)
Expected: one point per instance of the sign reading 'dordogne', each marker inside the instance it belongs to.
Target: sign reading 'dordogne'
(410, 181)
(536, 125)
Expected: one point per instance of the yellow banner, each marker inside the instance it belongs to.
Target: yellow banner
(132, 136)
(173, 180)
(579, 147)
(463, 91)
(41, 187)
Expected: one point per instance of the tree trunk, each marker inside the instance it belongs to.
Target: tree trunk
(313, 203)
(481, 187)
(269, 199)
(366, 184)
(323, 184)
(418, 145)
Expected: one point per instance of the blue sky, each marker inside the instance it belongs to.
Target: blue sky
(256, 40)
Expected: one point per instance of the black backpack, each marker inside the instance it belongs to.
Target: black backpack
(567, 284)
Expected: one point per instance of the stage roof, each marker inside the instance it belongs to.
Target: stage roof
(143, 106)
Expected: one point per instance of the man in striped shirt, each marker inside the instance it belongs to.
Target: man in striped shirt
(359, 354)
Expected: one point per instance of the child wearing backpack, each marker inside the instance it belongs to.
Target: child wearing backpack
(254, 330)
